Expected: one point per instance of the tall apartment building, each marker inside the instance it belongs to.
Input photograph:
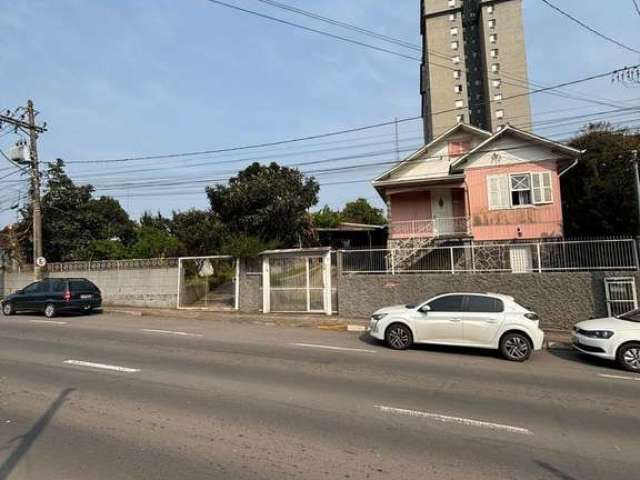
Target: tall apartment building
(473, 61)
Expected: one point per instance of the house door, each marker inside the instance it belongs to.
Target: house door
(521, 259)
(442, 212)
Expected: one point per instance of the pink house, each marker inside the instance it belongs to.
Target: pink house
(472, 185)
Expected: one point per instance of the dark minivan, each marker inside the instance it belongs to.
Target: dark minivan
(54, 295)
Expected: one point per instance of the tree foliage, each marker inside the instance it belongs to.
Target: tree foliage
(357, 211)
(598, 195)
(267, 202)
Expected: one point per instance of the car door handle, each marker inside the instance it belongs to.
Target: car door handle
(455, 320)
(492, 321)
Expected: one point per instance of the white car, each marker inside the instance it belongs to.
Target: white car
(613, 338)
(483, 320)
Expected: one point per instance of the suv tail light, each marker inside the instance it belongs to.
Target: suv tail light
(67, 296)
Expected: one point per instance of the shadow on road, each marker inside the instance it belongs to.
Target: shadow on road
(27, 439)
(555, 471)
(584, 359)
(478, 352)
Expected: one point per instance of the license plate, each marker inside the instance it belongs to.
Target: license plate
(86, 297)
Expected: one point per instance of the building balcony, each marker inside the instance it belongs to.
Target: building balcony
(431, 228)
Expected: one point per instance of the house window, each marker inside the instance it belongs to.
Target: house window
(454, 45)
(499, 114)
(494, 53)
(497, 83)
(459, 118)
(521, 190)
(454, 31)
(493, 38)
(490, 9)
(459, 147)
(455, 59)
(452, 3)
(518, 190)
(492, 23)
(457, 74)
(457, 88)
(452, 17)
(497, 97)
(495, 67)
(459, 103)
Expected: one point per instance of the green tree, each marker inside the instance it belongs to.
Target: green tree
(199, 232)
(155, 243)
(73, 219)
(598, 194)
(267, 202)
(361, 211)
(326, 218)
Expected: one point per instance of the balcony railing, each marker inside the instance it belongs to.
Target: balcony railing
(435, 227)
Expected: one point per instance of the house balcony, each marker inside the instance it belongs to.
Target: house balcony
(455, 227)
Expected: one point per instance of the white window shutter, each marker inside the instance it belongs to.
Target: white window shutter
(498, 191)
(505, 191)
(541, 187)
(547, 189)
(536, 188)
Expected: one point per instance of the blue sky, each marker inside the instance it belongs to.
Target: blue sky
(136, 77)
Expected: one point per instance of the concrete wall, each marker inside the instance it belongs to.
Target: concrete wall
(156, 287)
(561, 299)
(250, 292)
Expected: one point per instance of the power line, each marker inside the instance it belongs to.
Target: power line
(348, 26)
(635, 4)
(320, 32)
(591, 29)
(248, 147)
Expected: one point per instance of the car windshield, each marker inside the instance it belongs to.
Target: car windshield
(632, 316)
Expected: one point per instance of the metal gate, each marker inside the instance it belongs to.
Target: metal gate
(621, 295)
(297, 281)
(208, 283)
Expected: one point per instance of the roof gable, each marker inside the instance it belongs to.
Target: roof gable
(512, 145)
(432, 160)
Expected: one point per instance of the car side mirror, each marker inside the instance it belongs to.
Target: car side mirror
(424, 309)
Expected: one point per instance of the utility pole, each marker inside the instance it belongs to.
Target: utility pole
(32, 129)
(634, 162)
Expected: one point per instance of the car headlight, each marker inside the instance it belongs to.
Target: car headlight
(600, 334)
(378, 316)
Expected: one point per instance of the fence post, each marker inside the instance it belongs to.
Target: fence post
(393, 262)
(453, 267)
(539, 258)
(636, 247)
(473, 259)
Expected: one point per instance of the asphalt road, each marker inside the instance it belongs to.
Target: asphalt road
(184, 399)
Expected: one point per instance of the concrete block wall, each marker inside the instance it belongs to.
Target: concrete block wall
(561, 299)
(155, 287)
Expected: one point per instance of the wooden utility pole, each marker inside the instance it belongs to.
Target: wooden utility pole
(32, 129)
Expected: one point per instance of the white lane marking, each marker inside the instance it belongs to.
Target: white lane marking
(103, 366)
(329, 347)
(619, 377)
(48, 322)
(447, 419)
(171, 332)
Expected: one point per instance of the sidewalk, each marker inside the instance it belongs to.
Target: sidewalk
(326, 322)
(554, 339)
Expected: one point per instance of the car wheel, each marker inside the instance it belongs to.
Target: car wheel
(50, 310)
(515, 347)
(629, 357)
(7, 309)
(398, 336)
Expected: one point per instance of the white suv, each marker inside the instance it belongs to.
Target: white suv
(483, 320)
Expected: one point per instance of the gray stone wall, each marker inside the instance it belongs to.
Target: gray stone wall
(250, 291)
(561, 299)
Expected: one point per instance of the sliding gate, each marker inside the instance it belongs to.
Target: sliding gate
(297, 281)
(208, 283)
